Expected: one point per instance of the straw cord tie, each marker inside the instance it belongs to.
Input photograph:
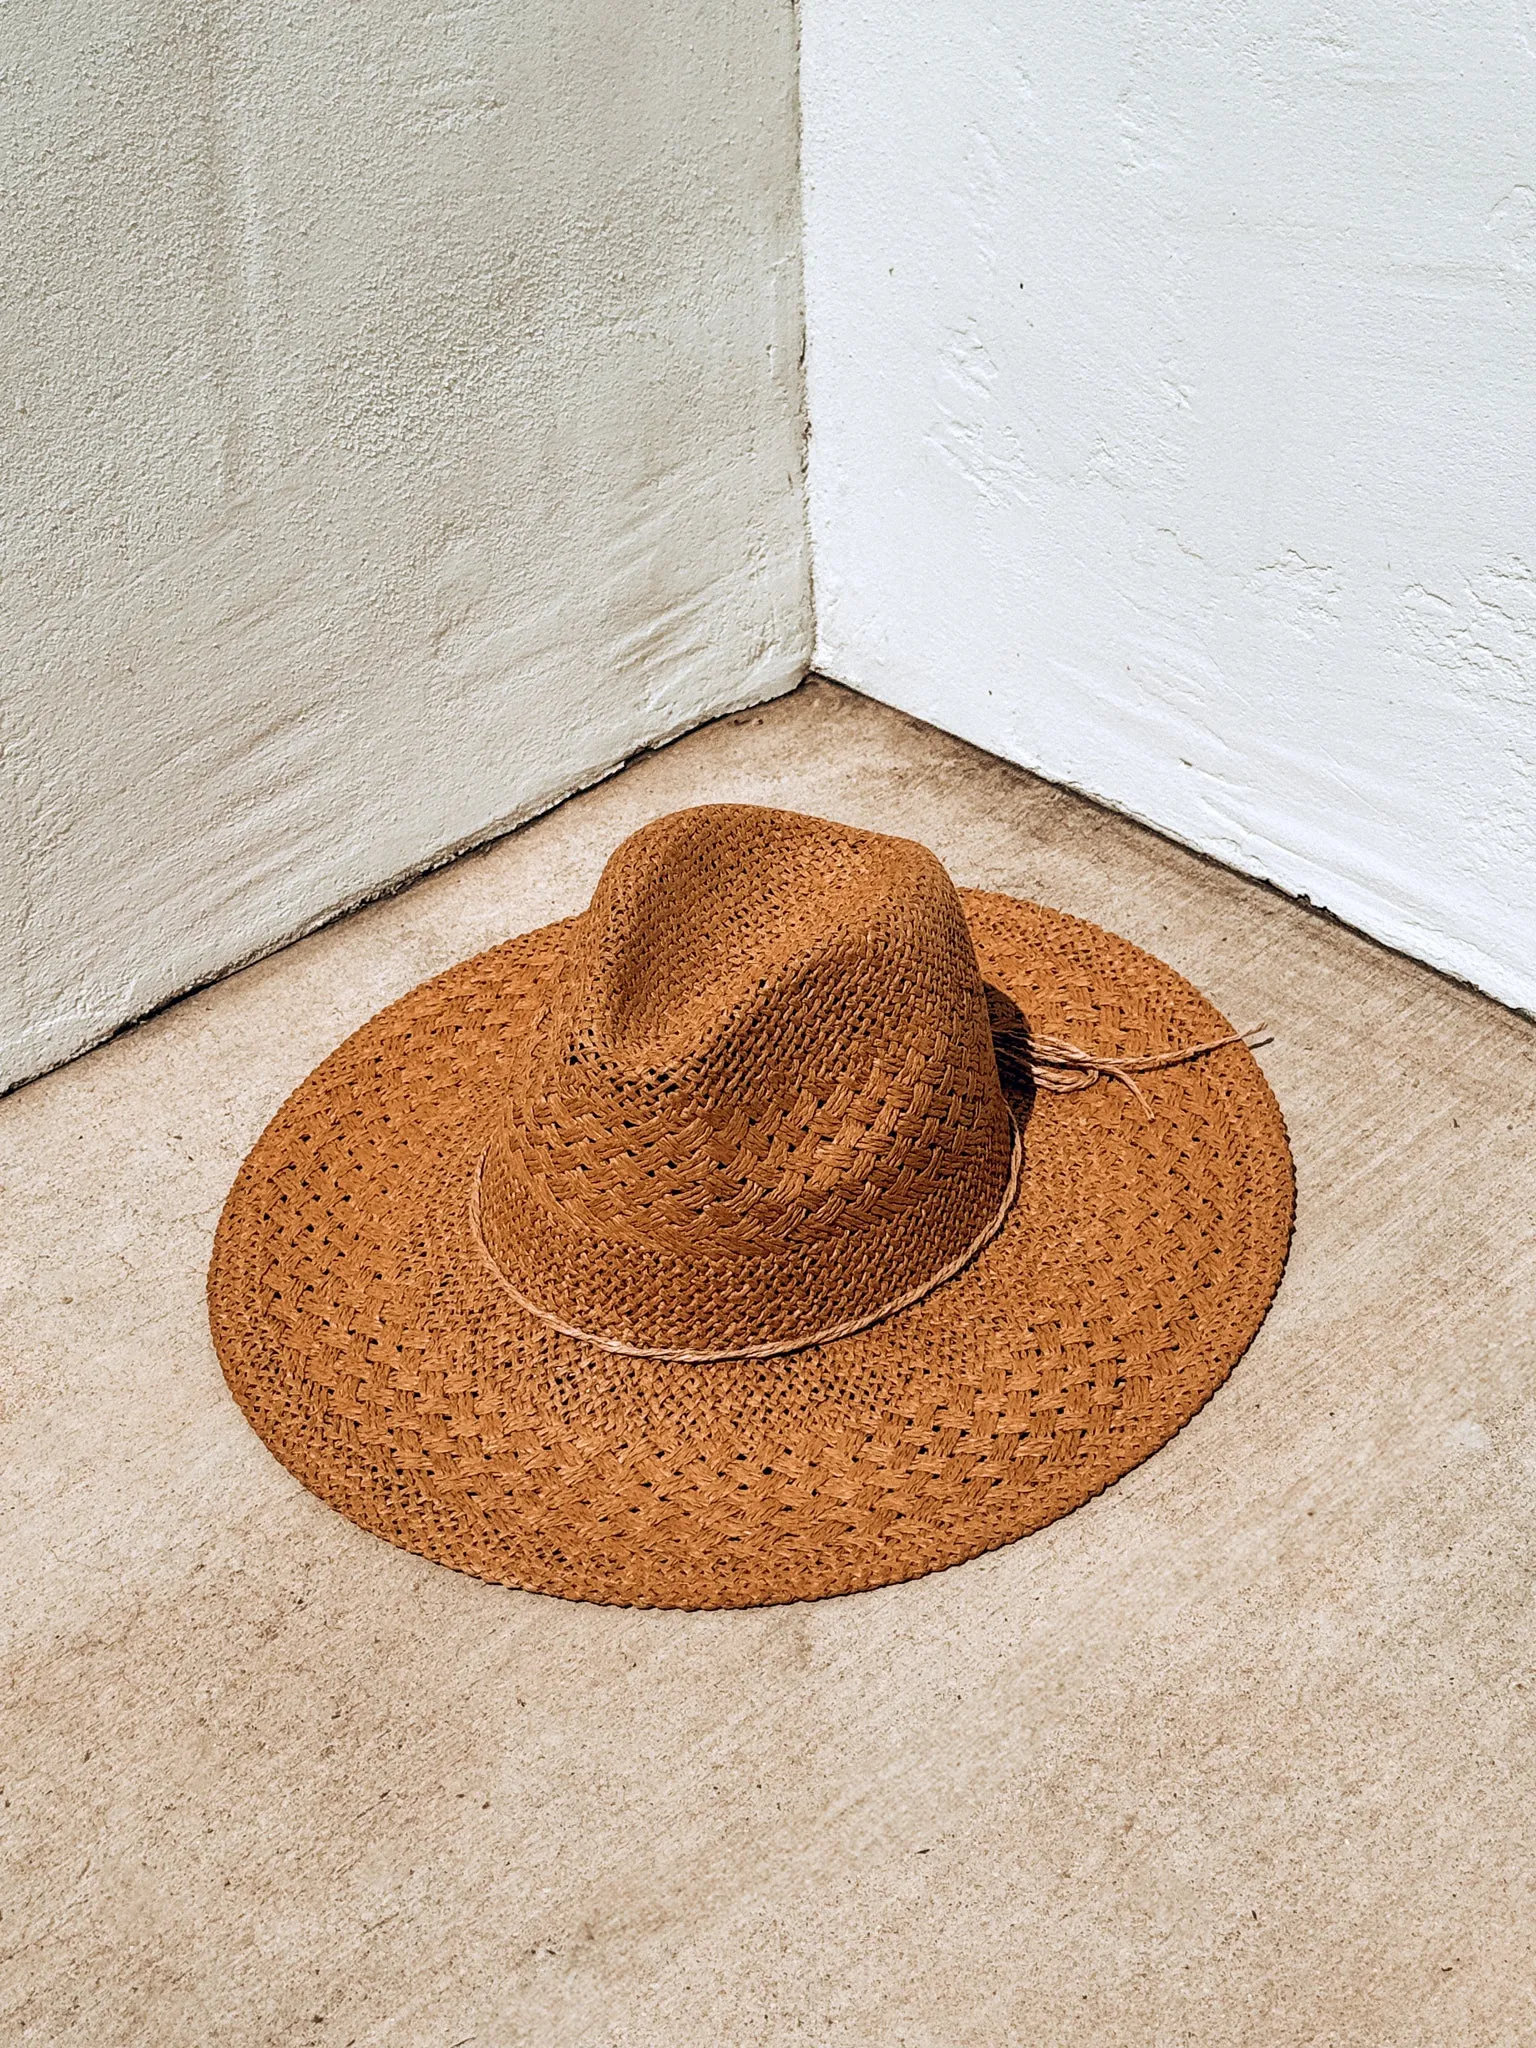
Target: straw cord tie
(1061, 1068)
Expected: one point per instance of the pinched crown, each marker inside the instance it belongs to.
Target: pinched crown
(761, 1102)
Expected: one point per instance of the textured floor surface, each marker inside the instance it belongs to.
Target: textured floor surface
(1242, 1752)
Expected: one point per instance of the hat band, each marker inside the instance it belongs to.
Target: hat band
(778, 1348)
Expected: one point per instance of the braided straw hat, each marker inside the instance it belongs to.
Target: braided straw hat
(702, 1251)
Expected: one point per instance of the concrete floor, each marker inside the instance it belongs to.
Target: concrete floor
(1244, 1751)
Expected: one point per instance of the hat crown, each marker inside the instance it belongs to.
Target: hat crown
(761, 1099)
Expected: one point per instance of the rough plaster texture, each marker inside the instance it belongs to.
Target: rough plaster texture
(403, 424)
(1241, 1753)
(1171, 372)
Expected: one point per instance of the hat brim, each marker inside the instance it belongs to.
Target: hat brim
(384, 1364)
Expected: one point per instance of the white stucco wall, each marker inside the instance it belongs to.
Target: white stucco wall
(402, 423)
(1173, 397)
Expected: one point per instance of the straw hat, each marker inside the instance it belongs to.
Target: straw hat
(759, 1234)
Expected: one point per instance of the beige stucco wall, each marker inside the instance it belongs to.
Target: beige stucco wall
(404, 426)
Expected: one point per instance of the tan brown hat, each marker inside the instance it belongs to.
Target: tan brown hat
(701, 1250)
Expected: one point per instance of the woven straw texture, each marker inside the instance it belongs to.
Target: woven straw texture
(748, 1096)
